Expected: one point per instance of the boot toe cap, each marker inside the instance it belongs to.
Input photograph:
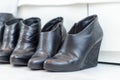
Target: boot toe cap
(4, 56)
(4, 59)
(37, 60)
(55, 65)
(61, 63)
(18, 60)
(35, 64)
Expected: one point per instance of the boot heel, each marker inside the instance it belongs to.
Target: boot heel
(92, 58)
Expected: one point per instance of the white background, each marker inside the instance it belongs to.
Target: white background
(73, 11)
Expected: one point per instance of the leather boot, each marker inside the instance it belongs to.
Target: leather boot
(80, 48)
(50, 40)
(4, 17)
(27, 42)
(10, 38)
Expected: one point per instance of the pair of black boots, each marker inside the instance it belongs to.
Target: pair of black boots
(52, 49)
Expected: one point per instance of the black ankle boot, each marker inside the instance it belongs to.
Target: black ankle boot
(10, 38)
(4, 17)
(80, 48)
(27, 42)
(51, 39)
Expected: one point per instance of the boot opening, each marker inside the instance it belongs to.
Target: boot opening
(31, 21)
(52, 24)
(13, 21)
(78, 27)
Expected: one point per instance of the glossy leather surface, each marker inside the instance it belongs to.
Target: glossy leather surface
(10, 38)
(28, 41)
(4, 17)
(80, 48)
(51, 38)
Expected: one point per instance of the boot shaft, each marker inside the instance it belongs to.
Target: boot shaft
(4, 17)
(86, 33)
(11, 33)
(29, 33)
(52, 36)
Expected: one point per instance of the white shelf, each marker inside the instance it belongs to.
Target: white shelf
(101, 72)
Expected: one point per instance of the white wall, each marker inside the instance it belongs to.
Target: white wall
(8, 6)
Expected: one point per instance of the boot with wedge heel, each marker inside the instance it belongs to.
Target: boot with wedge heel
(80, 49)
